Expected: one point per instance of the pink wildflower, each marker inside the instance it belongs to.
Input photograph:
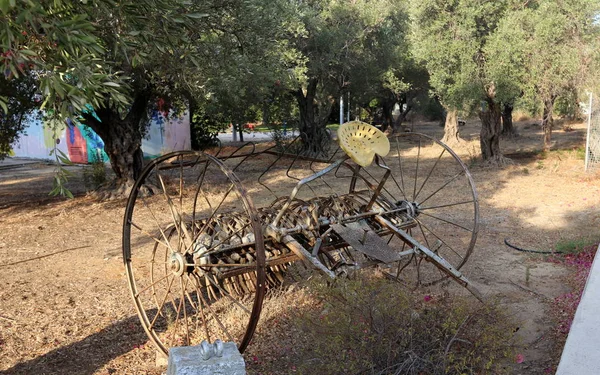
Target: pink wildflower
(519, 358)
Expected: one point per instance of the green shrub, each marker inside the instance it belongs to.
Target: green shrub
(567, 105)
(282, 139)
(370, 325)
(574, 246)
(94, 174)
(205, 129)
(431, 109)
(580, 153)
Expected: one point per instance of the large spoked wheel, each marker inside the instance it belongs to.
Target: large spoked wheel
(442, 210)
(194, 252)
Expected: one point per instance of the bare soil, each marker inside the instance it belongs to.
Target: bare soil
(71, 313)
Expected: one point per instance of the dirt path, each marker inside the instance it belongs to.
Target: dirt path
(72, 314)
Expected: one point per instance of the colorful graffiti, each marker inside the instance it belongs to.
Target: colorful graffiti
(166, 133)
(83, 145)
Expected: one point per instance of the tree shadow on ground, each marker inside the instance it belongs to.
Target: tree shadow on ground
(86, 356)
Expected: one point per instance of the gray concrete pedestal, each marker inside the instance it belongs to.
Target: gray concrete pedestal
(189, 360)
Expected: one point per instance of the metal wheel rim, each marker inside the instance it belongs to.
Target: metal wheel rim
(259, 249)
(472, 192)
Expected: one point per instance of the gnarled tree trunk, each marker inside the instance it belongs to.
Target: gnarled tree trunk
(122, 139)
(313, 120)
(388, 109)
(548, 121)
(241, 131)
(388, 119)
(451, 132)
(507, 123)
(491, 126)
(401, 116)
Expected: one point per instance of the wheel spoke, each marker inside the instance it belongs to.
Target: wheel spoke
(158, 225)
(216, 317)
(224, 292)
(162, 304)
(462, 172)
(429, 174)
(151, 285)
(149, 235)
(200, 307)
(441, 240)
(180, 183)
(414, 196)
(183, 295)
(208, 221)
(199, 182)
(177, 218)
(445, 205)
(174, 331)
(448, 221)
(402, 190)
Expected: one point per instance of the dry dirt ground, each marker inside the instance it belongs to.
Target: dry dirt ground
(71, 313)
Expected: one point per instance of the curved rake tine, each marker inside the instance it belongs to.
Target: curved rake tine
(423, 233)
(244, 158)
(311, 166)
(268, 169)
(224, 292)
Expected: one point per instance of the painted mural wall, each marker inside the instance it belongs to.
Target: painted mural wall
(83, 145)
(166, 134)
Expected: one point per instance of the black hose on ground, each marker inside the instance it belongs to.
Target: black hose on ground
(530, 251)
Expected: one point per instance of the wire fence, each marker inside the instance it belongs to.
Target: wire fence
(592, 144)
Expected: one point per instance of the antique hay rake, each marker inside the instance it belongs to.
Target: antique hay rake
(200, 256)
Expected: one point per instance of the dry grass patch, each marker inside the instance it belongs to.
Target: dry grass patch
(370, 325)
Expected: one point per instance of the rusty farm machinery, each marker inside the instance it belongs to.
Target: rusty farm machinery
(205, 235)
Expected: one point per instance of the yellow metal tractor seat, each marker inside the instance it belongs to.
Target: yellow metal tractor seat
(362, 141)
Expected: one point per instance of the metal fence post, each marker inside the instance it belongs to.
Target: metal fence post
(587, 138)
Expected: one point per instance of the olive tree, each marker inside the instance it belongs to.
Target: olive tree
(559, 43)
(471, 64)
(107, 62)
(387, 74)
(335, 41)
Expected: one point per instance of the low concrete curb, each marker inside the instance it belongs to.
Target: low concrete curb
(581, 355)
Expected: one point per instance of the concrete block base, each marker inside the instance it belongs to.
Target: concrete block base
(187, 360)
